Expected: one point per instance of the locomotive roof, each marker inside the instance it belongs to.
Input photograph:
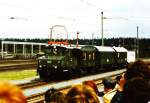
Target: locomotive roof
(105, 48)
(69, 47)
(120, 49)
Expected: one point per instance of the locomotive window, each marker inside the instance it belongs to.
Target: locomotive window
(69, 53)
(55, 51)
(118, 55)
(47, 51)
(84, 56)
(90, 57)
(93, 56)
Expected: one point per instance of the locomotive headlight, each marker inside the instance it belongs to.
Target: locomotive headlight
(55, 66)
(40, 66)
(49, 61)
(70, 59)
(107, 60)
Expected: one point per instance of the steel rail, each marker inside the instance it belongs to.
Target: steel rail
(39, 96)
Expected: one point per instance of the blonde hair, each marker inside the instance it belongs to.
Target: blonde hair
(10, 93)
(81, 94)
(92, 85)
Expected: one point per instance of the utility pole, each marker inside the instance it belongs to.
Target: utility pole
(77, 44)
(50, 38)
(137, 43)
(92, 38)
(102, 28)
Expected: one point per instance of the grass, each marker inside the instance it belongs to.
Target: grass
(17, 75)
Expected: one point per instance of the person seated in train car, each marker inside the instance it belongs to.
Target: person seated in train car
(81, 94)
(137, 69)
(92, 84)
(109, 89)
(10, 93)
(54, 96)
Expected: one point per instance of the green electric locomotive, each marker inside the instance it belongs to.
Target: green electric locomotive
(59, 59)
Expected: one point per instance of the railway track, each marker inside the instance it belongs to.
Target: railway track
(32, 84)
(5, 61)
(39, 97)
(17, 67)
(6, 65)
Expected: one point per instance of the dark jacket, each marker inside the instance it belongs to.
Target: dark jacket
(118, 97)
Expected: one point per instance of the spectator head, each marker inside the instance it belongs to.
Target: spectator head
(81, 94)
(118, 78)
(109, 84)
(10, 93)
(137, 86)
(137, 90)
(92, 85)
(48, 93)
(122, 81)
(54, 96)
(138, 68)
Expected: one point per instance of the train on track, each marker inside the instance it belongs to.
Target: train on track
(59, 59)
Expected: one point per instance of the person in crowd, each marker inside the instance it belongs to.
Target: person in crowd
(137, 69)
(117, 80)
(136, 90)
(92, 84)
(54, 96)
(109, 91)
(10, 93)
(109, 84)
(81, 94)
(48, 93)
(118, 97)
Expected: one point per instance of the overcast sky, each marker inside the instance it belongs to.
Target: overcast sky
(34, 18)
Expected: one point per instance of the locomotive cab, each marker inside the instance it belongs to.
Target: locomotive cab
(51, 61)
(57, 60)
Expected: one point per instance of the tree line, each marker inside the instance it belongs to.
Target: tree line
(128, 43)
